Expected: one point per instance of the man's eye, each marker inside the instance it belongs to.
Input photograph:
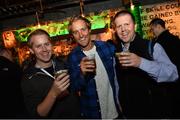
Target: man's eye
(74, 32)
(38, 46)
(84, 29)
(119, 26)
(126, 24)
(47, 44)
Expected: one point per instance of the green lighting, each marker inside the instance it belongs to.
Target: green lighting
(97, 22)
(135, 10)
(60, 28)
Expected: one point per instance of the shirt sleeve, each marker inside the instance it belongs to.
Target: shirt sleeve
(161, 68)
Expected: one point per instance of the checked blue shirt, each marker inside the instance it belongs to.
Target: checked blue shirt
(90, 107)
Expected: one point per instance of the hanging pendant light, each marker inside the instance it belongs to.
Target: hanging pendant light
(131, 5)
(39, 14)
(37, 18)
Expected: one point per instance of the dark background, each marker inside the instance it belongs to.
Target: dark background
(19, 13)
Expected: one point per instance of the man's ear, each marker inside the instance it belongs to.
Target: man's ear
(135, 26)
(89, 30)
(159, 26)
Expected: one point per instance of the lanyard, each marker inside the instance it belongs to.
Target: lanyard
(47, 73)
(42, 69)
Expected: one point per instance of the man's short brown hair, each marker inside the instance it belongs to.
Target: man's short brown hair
(36, 32)
(88, 23)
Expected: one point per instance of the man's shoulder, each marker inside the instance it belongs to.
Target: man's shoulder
(167, 35)
(106, 47)
(30, 71)
(99, 42)
(75, 50)
(4, 61)
(104, 43)
(75, 55)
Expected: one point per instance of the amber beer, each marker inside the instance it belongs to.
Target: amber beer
(91, 57)
(66, 92)
(122, 54)
(60, 72)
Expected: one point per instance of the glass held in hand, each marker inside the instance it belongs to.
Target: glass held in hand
(123, 53)
(91, 58)
(123, 58)
(56, 74)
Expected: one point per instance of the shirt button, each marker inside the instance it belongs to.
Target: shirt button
(97, 100)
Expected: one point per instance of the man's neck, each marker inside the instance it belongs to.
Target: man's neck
(89, 47)
(127, 44)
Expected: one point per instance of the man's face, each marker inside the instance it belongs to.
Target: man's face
(155, 30)
(125, 27)
(42, 48)
(81, 33)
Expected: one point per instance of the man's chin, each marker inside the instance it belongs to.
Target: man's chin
(46, 60)
(125, 40)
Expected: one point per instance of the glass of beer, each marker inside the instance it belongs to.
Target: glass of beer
(123, 54)
(56, 74)
(91, 57)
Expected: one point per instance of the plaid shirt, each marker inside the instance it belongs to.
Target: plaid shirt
(90, 107)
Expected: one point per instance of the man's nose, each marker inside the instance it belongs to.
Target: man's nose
(44, 48)
(80, 33)
(123, 28)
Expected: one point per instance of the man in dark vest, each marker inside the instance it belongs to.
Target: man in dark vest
(137, 69)
(171, 45)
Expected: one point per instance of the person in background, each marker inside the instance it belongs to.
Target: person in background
(47, 95)
(171, 45)
(93, 78)
(11, 101)
(138, 70)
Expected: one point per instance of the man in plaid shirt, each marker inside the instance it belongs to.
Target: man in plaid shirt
(94, 81)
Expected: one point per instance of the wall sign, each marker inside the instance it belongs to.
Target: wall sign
(169, 12)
